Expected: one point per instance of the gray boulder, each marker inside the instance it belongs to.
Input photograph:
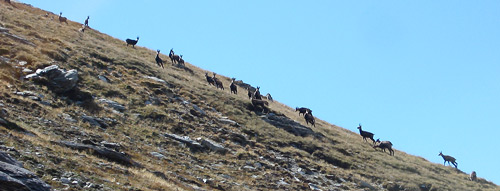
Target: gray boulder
(195, 146)
(14, 177)
(4, 157)
(58, 80)
(213, 146)
(103, 152)
(113, 104)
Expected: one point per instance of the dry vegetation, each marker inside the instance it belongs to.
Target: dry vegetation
(272, 158)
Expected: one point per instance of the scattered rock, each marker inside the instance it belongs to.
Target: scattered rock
(113, 104)
(364, 184)
(11, 126)
(314, 187)
(106, 144)
(155, 79)
(4, 112)
(14, 177)
(228, 121)
(68, 118)
(4, 157)
(157, 155)
(59, 80)
(25, 93)
(26, 70)
(197, 111)
(195, 146)
(94, 121)
(5, 31)
(213, 146)
(109, 154)
(103, 78)
(425, 187)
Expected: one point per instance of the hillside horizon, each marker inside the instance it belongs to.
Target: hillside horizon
(175, 130)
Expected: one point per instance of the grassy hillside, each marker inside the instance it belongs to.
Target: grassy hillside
(264, 151)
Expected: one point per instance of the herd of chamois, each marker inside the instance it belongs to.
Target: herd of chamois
(259, 103)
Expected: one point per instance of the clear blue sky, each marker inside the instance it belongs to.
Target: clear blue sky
(422, 74)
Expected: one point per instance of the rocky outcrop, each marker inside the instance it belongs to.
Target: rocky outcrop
(195, 146)
(213, 146)
(5, 31)
(104, 152)
(113, 104)
(289, 125)
(99, 122)
(58, 80)
(14, 177)
(10, 125)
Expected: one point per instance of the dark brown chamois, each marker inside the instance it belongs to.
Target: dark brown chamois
(159, 61)
(132, 42)
(233, 87)
(303, 110)
(365, 134)
(384, 145)
(180, 61)
(173, 57)
(309, 119)
(250, 93)
(210, 80)
(87, 21)
(218, 83)
(256, 94)
(62, 19)
(257, 102)
(449, 159)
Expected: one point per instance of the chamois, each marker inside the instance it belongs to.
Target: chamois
(173, 57)
(218, 83)
(303, 110)
(210, 80)
(87, 21)
(62, 19)
(256, 94)
(132, 42)
(448, 159)
(250, 93)
(309, 118)
(233, 86)
(258, 102)
(159, 61)
(473, 176)
(384, 145)
(269, 97)
(365, 134)
(180, 61)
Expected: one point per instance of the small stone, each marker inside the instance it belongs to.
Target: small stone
(65, 180)
(157, 155)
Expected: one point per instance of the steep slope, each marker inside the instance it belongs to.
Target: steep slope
(130, 125)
